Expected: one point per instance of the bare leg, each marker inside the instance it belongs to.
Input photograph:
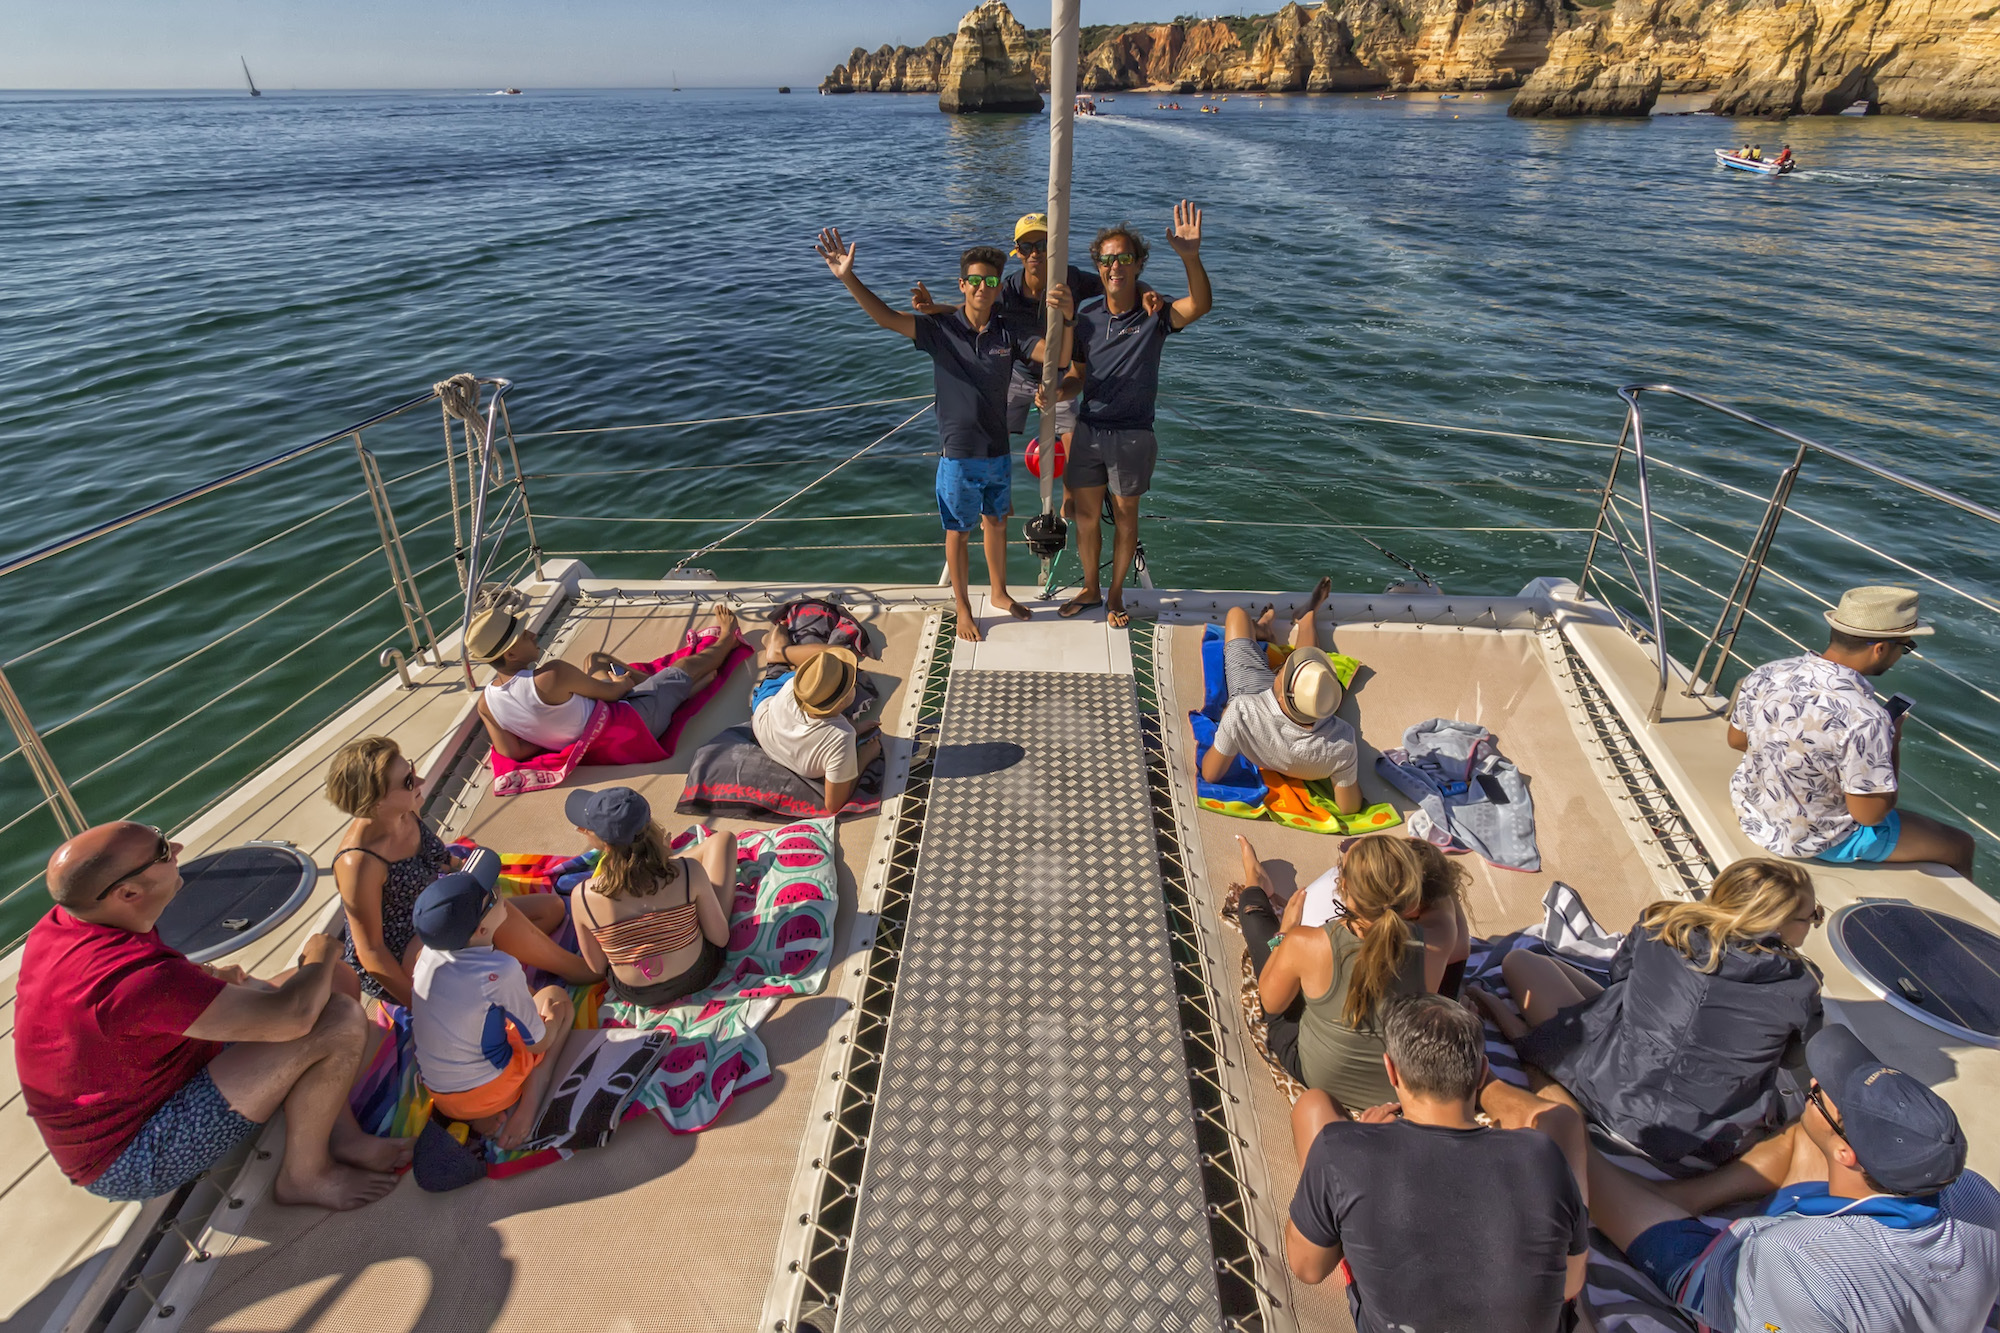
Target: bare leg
(559, 1016)
(1304, 635)
(1541, 985)
(994, 532)
(310, 1077)
(1623, 1206)
(718, 860)
(1253, 869)
(1925, 839)
(521, 938)
(545, 911)
(1755, 1174)
(701, 666)
(1508, 1019)
(776, 640)
(1237, 624)
(958, 565)
(1312, 1112)
(1089, 501)
(1124, 548)
(1517, 1108)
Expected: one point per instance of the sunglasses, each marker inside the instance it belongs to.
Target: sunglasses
(165, 852)
(411, 781)
(1106, 261)
(1818, 1098)
(1030, 247)
(1907, 645)
(980, 280)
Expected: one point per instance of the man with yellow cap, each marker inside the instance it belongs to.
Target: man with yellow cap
(799, 715)
(1285, 720)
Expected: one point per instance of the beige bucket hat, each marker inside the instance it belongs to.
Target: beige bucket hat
(1308, 687)
(822, 684)
(492, 633)
(1878, 613)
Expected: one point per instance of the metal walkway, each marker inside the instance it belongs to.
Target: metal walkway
(1033, 1161)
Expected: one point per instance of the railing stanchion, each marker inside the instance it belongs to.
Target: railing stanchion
(404, 582)
(1729, 621)
(1637, 425)
(1604, 504)
(62, 804)
(521, 485)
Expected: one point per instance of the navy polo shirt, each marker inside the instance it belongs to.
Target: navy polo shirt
(971, 368)
(1028, 312)
(1121, 356)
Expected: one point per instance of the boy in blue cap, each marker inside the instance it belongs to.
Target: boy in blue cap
(487, 1049)
(1875, 1223)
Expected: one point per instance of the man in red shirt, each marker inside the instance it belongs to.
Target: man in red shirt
(143, 1069)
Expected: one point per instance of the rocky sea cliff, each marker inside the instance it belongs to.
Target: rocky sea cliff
(1937, 58)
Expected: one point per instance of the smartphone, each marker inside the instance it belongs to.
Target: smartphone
(1898, 704)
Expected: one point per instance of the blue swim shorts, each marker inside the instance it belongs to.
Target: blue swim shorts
(1868, 842)
(1669, 1252)
(968, 488)
(766, 688)
(192, 1131)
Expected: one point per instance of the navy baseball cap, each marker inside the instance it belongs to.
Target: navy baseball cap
(617, 814)
(449, 911)
(1906, 1137)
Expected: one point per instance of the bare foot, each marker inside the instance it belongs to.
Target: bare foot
(1002, 602)
(968, 625)
(1504, 1015)
(520, 1123)
(368, 1152)
(338, 1187)
(725, 620)
(1253, 867)
(1262, 626)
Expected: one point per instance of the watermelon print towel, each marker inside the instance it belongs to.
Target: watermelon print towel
(781, 944)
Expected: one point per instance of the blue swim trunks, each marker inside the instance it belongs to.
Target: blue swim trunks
(968, 488)
(192, 1131)
(1868, 842)
(1670, 1252)
(766, 688)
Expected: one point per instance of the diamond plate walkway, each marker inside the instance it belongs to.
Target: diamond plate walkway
(1032, 1163)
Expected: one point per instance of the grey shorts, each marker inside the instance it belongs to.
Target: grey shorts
(192, 1131)
(657, 696)
(1021, 397)
(1120, 459)
(1246, 668)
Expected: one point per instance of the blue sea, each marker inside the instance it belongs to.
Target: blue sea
(1422, 312)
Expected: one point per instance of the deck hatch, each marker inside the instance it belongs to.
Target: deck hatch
(1938, 969)
(1033, 1162)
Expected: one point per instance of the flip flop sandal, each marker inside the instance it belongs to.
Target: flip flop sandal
(1073, 608)
(1118, 619)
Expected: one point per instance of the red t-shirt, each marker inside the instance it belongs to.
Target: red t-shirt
(99, 1018)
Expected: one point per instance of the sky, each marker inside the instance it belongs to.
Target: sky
(89, 44)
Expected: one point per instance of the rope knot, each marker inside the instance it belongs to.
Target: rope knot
(460, 397)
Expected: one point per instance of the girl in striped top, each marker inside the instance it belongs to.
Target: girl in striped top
(656, 924)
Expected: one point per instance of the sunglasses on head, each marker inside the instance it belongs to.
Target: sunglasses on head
(981, 280)
(164, 852)
(1106, 261)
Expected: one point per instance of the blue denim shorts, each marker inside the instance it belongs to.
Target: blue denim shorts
(1867, 842)
(1669, 1252)
(192, 1131)
(766, 688)
(968, 488)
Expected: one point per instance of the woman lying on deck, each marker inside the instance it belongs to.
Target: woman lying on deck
(389, 855)
(656, 924)
(1679, 1056)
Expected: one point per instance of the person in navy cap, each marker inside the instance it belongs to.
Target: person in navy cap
(487, 1048)
(1874, 1224)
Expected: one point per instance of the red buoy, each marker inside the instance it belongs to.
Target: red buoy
(1034, 458)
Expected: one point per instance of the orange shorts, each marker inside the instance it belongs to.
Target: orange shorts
(496, 1095)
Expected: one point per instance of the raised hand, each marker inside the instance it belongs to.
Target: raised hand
(1185, 235)
(839, 256)
(920, 297)
(1153, 302)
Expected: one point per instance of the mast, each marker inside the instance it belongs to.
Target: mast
(1062, 125)
(246, 76)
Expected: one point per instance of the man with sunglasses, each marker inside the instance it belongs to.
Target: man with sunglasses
(143, 1069)
(1116, 371)
(1822, 754)
(1874, 1224)
(973, 351)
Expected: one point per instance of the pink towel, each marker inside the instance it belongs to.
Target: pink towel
(615, 735)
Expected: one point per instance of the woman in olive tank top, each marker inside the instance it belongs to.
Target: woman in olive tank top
(1344, 970)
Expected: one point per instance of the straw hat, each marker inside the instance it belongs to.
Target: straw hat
(1877, 613)
(1308, 689)
(823, 683)
(492, 633)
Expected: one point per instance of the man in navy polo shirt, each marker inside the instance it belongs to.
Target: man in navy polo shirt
(1117, 371)
(973, 353)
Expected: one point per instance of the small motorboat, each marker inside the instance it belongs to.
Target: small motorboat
(1084, 105)
(1761, 165)
(1447, 97)
(1855, 109)
(1385, 97)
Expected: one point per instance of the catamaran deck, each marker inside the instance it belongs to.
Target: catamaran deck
(1053, 836)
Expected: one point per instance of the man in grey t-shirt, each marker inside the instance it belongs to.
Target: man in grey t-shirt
(1285, 720)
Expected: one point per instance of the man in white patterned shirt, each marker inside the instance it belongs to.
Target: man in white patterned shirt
(1821, 753)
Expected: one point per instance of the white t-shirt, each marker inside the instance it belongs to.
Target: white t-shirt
(812, 747)
(461, 1005)
(1255, 727)
(1817, 732)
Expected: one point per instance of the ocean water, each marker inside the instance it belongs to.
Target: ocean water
(192, 283)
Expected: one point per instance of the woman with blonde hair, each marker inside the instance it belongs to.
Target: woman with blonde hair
(1679, 1055)
(389, 855)
(656, 924)
(1323, 987)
